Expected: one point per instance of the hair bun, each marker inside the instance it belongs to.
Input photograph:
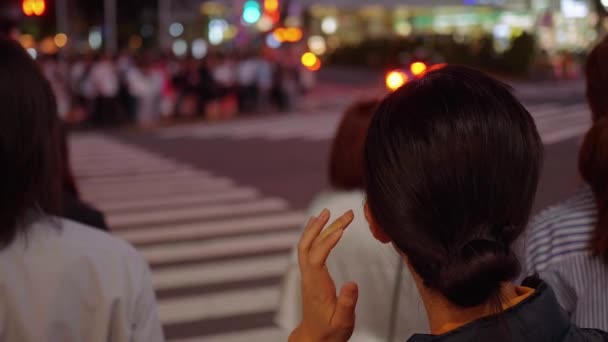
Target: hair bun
(475, 271)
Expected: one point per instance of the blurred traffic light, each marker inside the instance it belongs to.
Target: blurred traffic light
(251, 12)
(33, 7)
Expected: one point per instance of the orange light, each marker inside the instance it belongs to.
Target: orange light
(437, 67)
(293, 34)
(27, 41)
(309, 60)
(316, 66)
(39, 7)
(27, 8)
(395, 80)
(290, 34)
(418, 68)
(61, 40)
(279, 34)
(33, 7)
(271, 5)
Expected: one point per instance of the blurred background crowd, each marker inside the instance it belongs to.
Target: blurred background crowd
(215, 59)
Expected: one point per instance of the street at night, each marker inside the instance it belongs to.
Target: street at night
(216, 207)
(303, 170)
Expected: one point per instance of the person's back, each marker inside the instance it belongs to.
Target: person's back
(59, 281)
(568, 244)
(65, 282)
(558, 250)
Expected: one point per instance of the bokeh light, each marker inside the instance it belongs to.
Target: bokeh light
(317, 45)
(176, 30)
(33, 53)
(309, 59)
(180, 48)
(26, 40)
(95, 39)
(271, 5)
(251, 12)
(329, 25)
(395, 80)
(199, 48)
(61, 40)
(418, 68)
(272, 42)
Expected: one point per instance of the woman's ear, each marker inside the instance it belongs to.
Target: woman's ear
(377, 232)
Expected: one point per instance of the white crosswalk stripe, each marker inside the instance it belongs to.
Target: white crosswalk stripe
(217, 249)
(556, 122)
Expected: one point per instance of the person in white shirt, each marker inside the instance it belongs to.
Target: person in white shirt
(104, 79)
(59, 281)
(389, 308)
(145, 84)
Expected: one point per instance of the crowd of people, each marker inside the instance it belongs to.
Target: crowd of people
(436, 182)
(145, 89)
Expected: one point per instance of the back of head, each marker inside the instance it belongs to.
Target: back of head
(30, 170)
(596, 72)
(346, 156)
(593, 165)
(452, 163)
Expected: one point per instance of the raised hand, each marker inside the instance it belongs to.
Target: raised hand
(325, 317)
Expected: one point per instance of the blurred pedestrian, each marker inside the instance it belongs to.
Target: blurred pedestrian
(247, 83)
(57, 73)
(82, 89)
(568, 244)
(145, 85)
(451, 167)
(59, 281)
(104, 78)
(389, 305)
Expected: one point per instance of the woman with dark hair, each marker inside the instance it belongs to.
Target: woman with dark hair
(387, 289)
(59, 281)
(568, 244)
(452, 163)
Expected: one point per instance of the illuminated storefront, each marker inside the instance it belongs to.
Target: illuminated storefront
(559, 24)
(565, 24)
(348, 25)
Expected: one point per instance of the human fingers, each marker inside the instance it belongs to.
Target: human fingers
(341, 223)
(322, 247)
(310, 233)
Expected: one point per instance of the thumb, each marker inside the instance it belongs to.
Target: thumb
(344, 316)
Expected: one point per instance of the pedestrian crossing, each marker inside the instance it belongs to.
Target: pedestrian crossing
(217, 249)
(555, 121)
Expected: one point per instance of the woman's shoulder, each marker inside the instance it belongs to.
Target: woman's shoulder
(74, 240)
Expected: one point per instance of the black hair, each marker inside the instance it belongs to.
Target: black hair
(452, 163)
(30, 157)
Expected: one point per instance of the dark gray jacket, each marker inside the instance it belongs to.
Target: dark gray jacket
(537, 319)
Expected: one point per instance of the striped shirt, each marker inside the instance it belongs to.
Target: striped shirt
(558, 250)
